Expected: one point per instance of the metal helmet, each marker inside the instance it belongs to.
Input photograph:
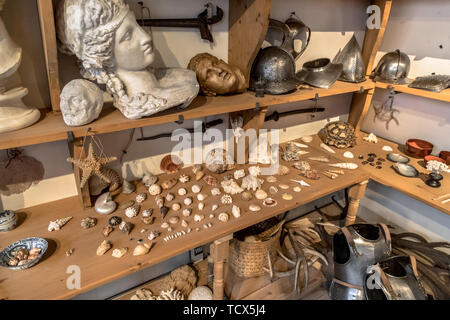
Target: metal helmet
(351, 59)
(393, 68)
(275, 67)
(320, 73)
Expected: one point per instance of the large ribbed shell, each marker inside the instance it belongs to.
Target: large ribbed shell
(171, 164)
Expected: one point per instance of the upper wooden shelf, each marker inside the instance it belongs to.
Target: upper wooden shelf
(51, 126)
(442, 96)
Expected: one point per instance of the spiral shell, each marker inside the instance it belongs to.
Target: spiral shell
(154, 190)
(133, 211)
(224, 217)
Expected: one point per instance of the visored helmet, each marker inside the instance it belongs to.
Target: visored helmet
(393, 68)
(275, 67)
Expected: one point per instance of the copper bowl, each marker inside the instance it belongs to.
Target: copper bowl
(433, 158)
(445, 155)
(418, 148)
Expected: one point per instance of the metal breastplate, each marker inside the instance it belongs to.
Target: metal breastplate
(358, 252)
(395, 279)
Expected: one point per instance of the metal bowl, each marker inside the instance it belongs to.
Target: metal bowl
(28, 244)
(405, 170)
(396, 157)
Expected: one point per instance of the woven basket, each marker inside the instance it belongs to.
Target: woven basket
(248, 259)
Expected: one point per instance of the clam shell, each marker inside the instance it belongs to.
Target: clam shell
(154, 190)
(254, 208)
(104, 247)
(169, 184)
(171, 164)
(405, 170)
(141, 249)
(246, 196)
(261, 194)
(395, 157)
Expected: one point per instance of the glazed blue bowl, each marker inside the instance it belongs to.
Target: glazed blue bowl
(30, 243)
(8, 220)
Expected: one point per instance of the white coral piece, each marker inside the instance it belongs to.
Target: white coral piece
(231, 187)
(239, 174)
(251, 182)
(437, 166)
(254, 171)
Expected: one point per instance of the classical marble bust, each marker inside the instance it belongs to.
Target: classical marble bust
(216, 76)
(114, 50)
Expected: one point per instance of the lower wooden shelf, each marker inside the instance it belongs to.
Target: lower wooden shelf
(442, 96)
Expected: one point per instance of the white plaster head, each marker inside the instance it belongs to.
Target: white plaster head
(10, 53)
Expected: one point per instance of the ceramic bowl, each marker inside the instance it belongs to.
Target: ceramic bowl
(30, 243)
(433, 158)
(419, 148)
(8, 220)
(445, 155)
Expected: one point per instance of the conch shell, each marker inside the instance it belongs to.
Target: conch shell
(58, 224)
(141, 249)
(345, 165)
(231, 187)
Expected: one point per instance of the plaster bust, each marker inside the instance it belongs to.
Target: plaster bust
(216, 76)
(114, 50)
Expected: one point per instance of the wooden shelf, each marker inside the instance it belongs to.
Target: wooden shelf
(442, 96)
(47, 280)
(51, 126)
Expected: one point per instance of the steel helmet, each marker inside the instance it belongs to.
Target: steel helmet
(393, 68)
(320, 73)
(275, 67)
(351, 59)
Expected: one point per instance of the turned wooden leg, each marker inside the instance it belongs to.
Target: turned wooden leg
(219, 252)
(355, 194)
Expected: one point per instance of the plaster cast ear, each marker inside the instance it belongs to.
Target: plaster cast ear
(81, 102)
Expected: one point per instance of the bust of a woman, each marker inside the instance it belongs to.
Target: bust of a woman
(114, 50)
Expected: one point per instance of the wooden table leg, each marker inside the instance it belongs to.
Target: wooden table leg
(355, 194)
(219, 252)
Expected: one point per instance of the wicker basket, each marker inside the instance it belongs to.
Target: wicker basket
(248, 259)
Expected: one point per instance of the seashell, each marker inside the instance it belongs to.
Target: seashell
(128, 187)
(149, 179)
(226, 199)
(159, 201)
(330, 175)
(211, 216)
(231, 187)
(141, 249)
(88, 223)
(284, 186)
(271, 179)
(199, 175)
(182, 191)
(301, 182)
(273, 190)
(174, 220)
(227, 177)
(236, 211)
(246, 196)
(395, 157)
(176, 206)
(188, 201)
(165, 225)
(184, 178)
(154, 189)
(148, 220)
(69, 252)
(327, 148)
(170, 196)
(58, 224)
(105, 205)
(310, 174)
(214, 207)
(126, 205)
(302, 165)
(216, 192)
(287, 196)
(133, 211)
(345, 165)
(224, 217)
(320, 159)
(337, 171)
(114, 221)
(126, 227)
(218, 161)
(104, 247)
(405, 169)
(239, 174)
(107, 231)
(201, 197)
(210, 180)
(119, 253)
(269, 202)
(261, 194)
(387, 149)
(201, 206)
(297, 189)
(292, 156)
(254, 171)
(307, 139)
(140, 198)
(169, 184)
(348, 155)
(169, 229)
(251, 182)
(283, 170)
(187, 212)
(197, 168)
(198, 217)
(163, 210)
(153, 235)
(196, 188)
(372, 138)
(171, 164)
(254, 208)
(172, 294)
(184, 224)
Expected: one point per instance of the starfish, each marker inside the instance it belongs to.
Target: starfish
(92, 165)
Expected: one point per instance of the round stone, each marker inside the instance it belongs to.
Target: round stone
(287, 196)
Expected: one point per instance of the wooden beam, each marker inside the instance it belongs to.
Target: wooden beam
(359, 108)
(76, 149)
(219, 252)
(48, 31)
(249, 21)
(355, 194)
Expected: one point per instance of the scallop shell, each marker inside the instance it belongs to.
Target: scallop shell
(188, 201)
(184, 178)
(197, 168)
(307, 139)
(199, 175)
(287, 196)
(119, 253)
(169, 184)
(319, 159)
(226, 199)
(187, 212)
(236, 211)
(271, 179)
(182, 191)
(198, 217)
(140, 198)
(246, 196)
(58, 224)
(345, 165)
(283, 170)
(141, 249)
(133, 211)
(254, 208)
(174, 220)
(154, 189)
(261, 194)
(171, 164)
(327, 148)
(196, 188)
(348, 155)
(239, 174)
(231, 187)
(153, 235)
(170, 197)
(216, 192)
(176, 207)
(224, 217)
(269, 202)
(104, 247)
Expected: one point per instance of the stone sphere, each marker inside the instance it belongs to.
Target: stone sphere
(201, 293)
